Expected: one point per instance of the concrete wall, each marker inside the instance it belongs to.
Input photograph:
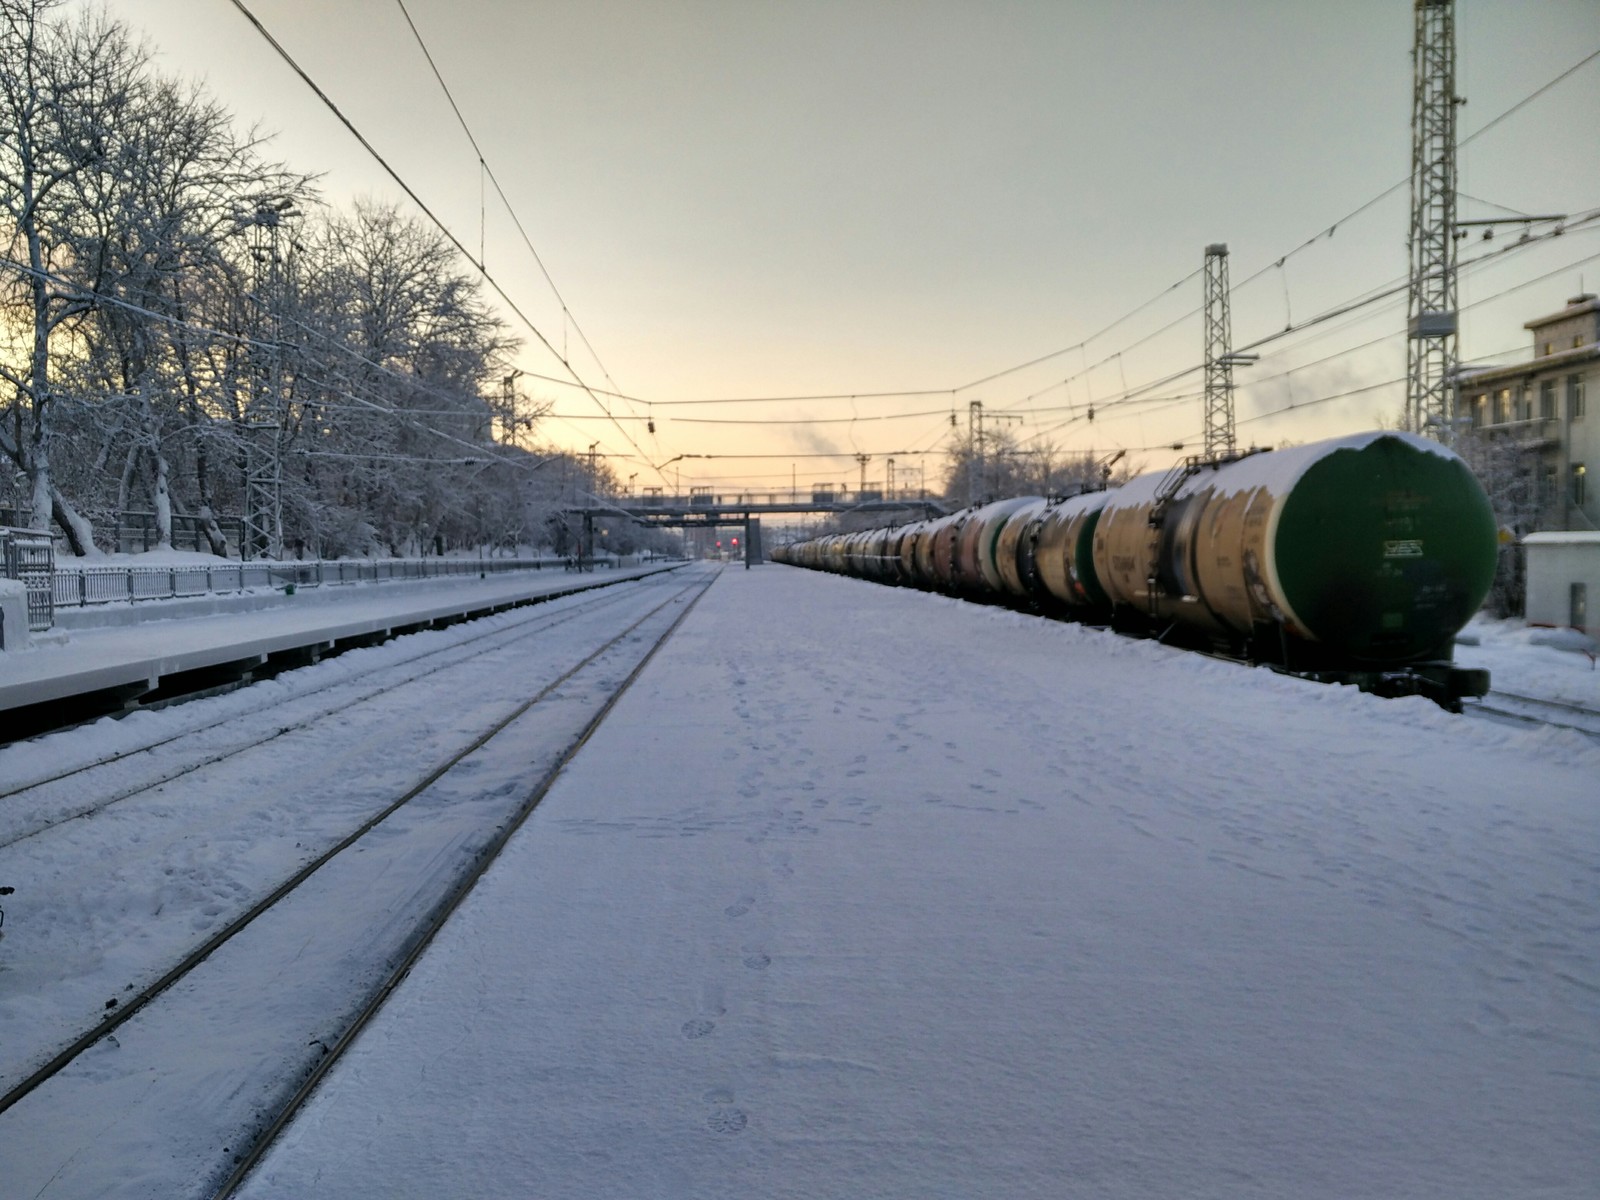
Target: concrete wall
(1555, 563)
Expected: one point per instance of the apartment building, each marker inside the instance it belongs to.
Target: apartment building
(1531, 429)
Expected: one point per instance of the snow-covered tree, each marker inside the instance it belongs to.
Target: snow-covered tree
(65, 88)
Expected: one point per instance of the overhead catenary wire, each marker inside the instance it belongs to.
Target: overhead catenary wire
(1329, 230)
(1581, 223)
(595, 393)
(906, 393)
(488, 171)
(410, 192)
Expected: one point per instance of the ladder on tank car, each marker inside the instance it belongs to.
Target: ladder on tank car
(1167, 492)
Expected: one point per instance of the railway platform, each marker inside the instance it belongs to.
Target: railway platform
(106, 669)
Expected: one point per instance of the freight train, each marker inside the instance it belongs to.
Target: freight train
(1355, 560)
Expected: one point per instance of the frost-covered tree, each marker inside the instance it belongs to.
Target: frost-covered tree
(397, 421)
(64, 92)
(1001, 465)
(177, 306)
(162, 220)
(1509, 470)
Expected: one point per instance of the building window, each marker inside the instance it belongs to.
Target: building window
(1580, 490)
(1547, 400)
(1524, 409)
(1549, 348)
(1502, 406)
(1574, 398)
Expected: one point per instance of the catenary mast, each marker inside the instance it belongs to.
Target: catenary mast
(1432, 350)
(1220, 439)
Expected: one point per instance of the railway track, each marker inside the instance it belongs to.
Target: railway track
(34, 805)
(285, 981)
(1534, 710)
(27, 724)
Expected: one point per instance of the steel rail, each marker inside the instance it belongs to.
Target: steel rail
(1487, 709)
(521, 624)
(102, 803)
(126, 1010)
(431, 926)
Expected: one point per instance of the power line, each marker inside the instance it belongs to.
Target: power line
(909, 392)
(489, 171)
(803, 420)
(595, 394)
(417, 200)
(1530, 98)
(1391, 190)
(1576, 224)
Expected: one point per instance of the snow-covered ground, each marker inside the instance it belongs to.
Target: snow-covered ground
(121, 893)
(1550, 664)
(864, 892)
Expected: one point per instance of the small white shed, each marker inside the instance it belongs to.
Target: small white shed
(1564, 579)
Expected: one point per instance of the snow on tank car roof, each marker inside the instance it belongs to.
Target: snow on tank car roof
(1276, 470)
(1082, 502)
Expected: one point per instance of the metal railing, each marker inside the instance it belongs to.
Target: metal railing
(81, 586)
(28, 555)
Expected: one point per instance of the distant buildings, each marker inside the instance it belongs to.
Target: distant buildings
(1535, 445)
(1532, 437)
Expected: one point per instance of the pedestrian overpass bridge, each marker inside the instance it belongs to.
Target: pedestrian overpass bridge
(702, 508)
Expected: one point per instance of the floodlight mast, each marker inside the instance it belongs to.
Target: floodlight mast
(1432, 337)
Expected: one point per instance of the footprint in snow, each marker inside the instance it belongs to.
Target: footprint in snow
(727, 1120)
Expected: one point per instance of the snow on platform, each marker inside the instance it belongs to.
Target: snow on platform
(89, 660)
(864, 892)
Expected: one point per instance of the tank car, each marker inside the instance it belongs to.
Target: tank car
(1360, 552)
(1356, 559)
(976, 571)
(1060, 553)
(1009, 557)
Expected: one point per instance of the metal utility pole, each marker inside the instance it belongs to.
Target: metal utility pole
(1220, 441)
(508, 408)
(974, 450)
(1432, 349)
(863, 459)
(586, 552)
(267, 416)
(889, 475)
(1219, 354)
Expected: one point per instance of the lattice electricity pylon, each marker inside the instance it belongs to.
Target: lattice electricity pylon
(266, 418)
(1220, 358)
(263, 503)
(1432, 350)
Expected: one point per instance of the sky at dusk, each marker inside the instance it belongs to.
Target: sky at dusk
(741, 199)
